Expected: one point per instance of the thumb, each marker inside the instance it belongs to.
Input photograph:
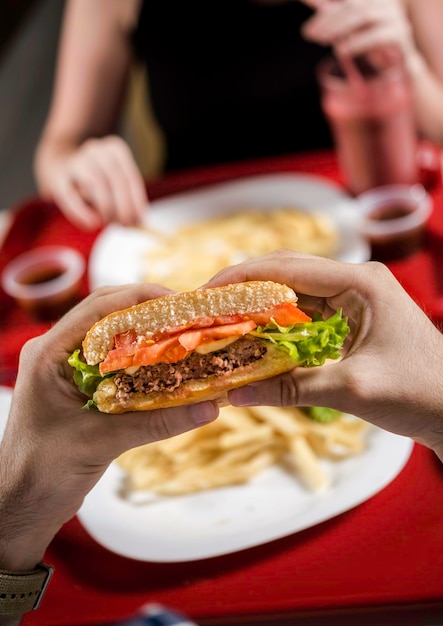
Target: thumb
(113, 434)
(317, 386)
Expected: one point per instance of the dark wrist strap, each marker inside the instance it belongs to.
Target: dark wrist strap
(23, 591)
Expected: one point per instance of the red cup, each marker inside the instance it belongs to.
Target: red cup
(394, 219)
(45, 281)
(370, 113)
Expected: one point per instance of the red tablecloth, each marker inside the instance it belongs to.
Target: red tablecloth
(386, 551)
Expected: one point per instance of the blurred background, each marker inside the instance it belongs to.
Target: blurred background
(29, 33)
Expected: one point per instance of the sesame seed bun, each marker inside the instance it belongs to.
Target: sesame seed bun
(176, 309)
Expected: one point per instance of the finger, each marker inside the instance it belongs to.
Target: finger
(323, 386)
(315, 276)
(96, 189)
(254, 266)
(323, 285)
(137, 428)
(318, 386)
(97, 176)
(71, 329)
(70, 201)
(116, 161)
(333, 25)
(122, 209)
(309, 303)
(366, 41)
(136, 188)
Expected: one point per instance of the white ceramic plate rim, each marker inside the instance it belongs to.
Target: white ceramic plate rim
(5, 403)
(273, 505)
(223, 521)
(226, 520)
(118, 252)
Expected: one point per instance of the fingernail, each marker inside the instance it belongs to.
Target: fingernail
(243, 396)
(204, 412)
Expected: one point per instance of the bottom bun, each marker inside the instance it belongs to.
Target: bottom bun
(274, 362)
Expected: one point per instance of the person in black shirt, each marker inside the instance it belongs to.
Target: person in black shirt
(228, 80)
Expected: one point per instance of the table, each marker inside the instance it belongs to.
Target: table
(379, 563)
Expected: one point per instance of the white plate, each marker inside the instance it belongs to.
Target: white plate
(117, 256)
(5, 403)
(221, 521)
(274, 504)
(226, 520)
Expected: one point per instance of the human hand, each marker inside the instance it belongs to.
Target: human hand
(94, 184)
(391, 372)
(64, 449)
(378, 28)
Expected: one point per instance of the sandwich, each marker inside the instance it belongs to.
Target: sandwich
(192, 346)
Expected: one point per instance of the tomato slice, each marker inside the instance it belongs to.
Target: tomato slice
(191, 339)
(127, 339)
(170, 348)
(116, 359)
(221, 320)
(167, 350)
(284, 314)
(200, 322)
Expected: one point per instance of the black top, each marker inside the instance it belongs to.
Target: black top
(231, 79)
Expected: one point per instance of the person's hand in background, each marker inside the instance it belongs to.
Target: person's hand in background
(391, 372)
(383, 30)
(80, 162)
(94, 184)
(379, 29)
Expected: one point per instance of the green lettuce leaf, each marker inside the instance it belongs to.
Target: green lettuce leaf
(322, 414)
(308, 343)
(86, 377)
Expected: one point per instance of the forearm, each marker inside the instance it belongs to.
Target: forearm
(94, 59)
(24, 537)
(37, 494)
(27, 523)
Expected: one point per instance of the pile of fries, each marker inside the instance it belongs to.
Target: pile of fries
(238, 445)
(189, 257)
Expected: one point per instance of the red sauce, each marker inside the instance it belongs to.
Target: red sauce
(50, 307)
(391, 246)
(391, 212)
(42, 276)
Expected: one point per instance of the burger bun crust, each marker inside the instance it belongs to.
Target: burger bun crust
(175, 309)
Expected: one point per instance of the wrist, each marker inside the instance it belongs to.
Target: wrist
(50, 153)
(24, 553)
(431, 432)
(24, 539)
(26, 528)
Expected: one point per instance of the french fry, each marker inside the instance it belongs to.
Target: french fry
(241, 443)
(307, 464)
(175, 260)
(261, 433)
(281, 420)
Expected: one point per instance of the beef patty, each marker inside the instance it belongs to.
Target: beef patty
(168, 376)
